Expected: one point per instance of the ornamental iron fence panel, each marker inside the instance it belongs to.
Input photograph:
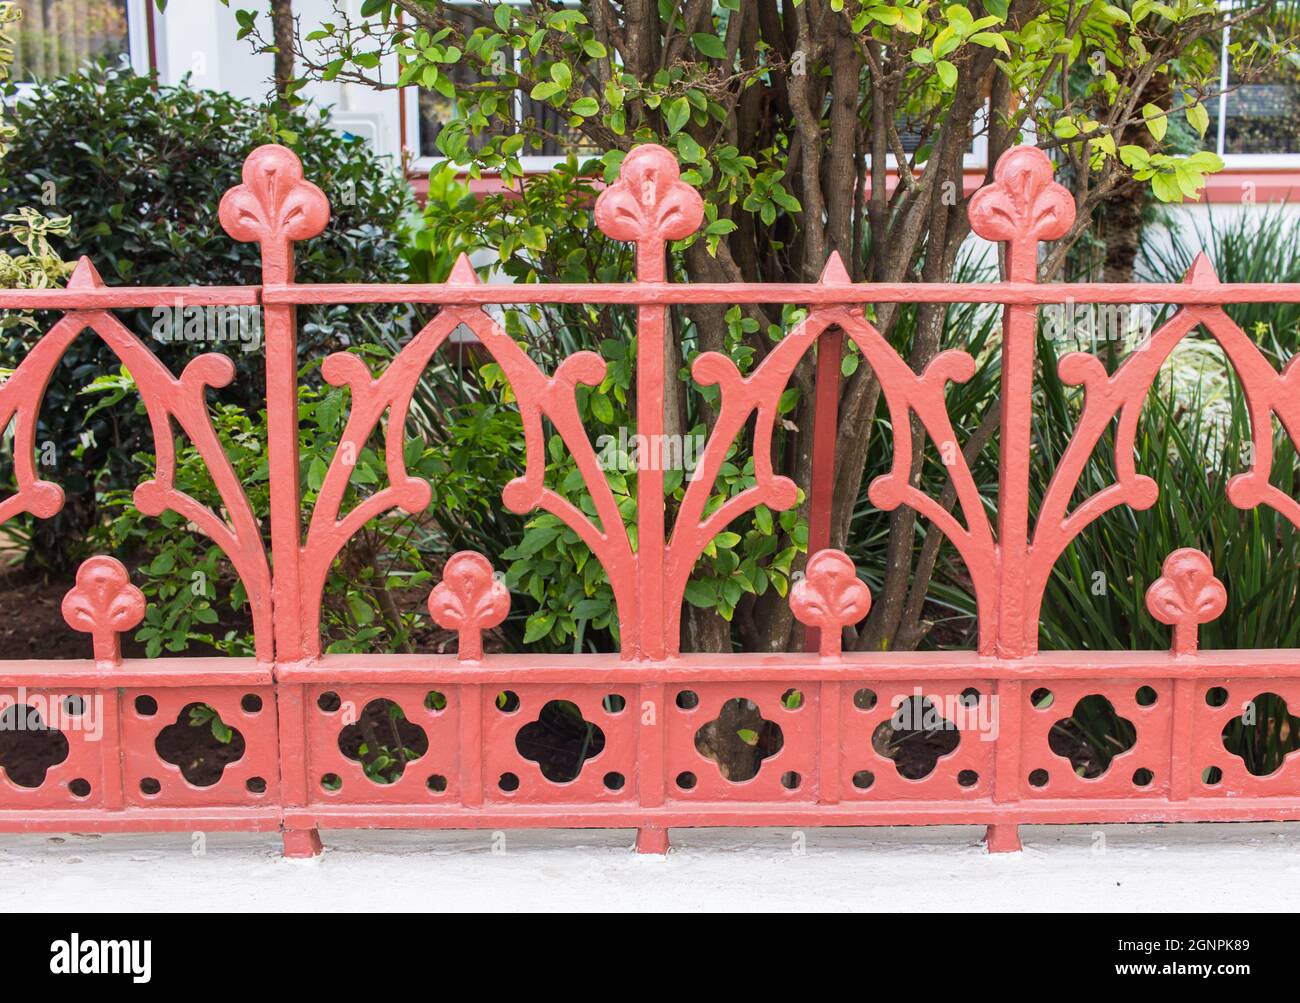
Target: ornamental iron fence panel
(648, 702)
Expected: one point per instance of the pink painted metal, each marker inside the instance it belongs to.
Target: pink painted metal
(650, 704)
(469, 600)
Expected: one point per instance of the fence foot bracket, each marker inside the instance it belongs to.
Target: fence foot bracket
(1003, 839)
(302, 843)
(652, 840)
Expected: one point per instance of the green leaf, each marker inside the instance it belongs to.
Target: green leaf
(545, 90)
(602, 409)
(586, 107)
(702, 595)
(947, 73)
(1198, 118)
(1156, 122)
(1134, 156)
(539, 625)
(688, 149)
(710, 45)
(677, 115)
(1165, 187)
(1065, 128)
(992, 40)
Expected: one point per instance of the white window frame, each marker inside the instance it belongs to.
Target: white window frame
(1241, 161)
(531, 163)
(137, 43)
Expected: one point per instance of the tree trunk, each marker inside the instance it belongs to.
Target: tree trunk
(282, 23)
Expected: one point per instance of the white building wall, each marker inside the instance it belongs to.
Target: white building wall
(198, 37)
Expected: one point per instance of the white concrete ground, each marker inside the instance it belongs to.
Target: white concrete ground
(1154, 868)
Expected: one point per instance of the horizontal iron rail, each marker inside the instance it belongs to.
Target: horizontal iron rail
(932, 666)
(647, 293)
(708, 813)
(128, 297)
(669, 293)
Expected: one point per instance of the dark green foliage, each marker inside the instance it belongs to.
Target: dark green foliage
(141, 171)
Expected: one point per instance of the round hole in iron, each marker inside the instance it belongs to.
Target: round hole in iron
(79, 788)
(688, 700)
(863, 779)
(1216, 696)
(686, 780)
(1042, 698)
(331, 782)
(864, 699)
(792, 699)
(329, 702)
(256, 785)
(145, 705)
(1038, 778)
(437, 783)
(970, 697)
(507, 701)
(614, 703)
(1212, 776)
(149, 785)
(1145, 696)
(435, 701)
(508, 782)
(614, 781)
(1143, 777)
(251, 703)
(74, 706)
(791, 780)
(968, 778)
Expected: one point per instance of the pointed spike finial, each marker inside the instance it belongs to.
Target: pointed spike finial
(835, 274)
(85, 275)
(1201, 273)
(462, 272)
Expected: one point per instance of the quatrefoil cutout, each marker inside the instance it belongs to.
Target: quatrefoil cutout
(29, 748)
(1263, 735)
(739, 739)
(1092, 736)
(916, 736)
(200, 745)
(383, 740)
(560, 741)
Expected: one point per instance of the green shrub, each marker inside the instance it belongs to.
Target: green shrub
(141, 171)
(194, 598)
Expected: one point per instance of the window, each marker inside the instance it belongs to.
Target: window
(55, 37)
(432, 111)
(1255, 122)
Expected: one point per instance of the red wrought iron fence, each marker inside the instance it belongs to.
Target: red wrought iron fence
(649, 701)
